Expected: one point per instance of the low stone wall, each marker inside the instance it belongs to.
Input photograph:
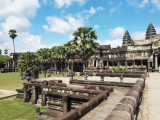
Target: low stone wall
(84, 108)
(126, 108)
(106, 83)
(51, 93)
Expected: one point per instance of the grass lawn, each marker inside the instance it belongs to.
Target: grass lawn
(15, 109)
(12, 81)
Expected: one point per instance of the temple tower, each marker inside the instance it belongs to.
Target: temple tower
(127, 40)
(150, 31)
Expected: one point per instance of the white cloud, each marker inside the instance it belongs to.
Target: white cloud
(113, 43)
(110, 3)
(152, 11)
(143, 3)
(71, 37)
(62, 11)
(96, 26)
(74, 24)
(138, 35)
(156, 3)
(61, 3)
(100, 8)
(44, 2)
(21, 8)
(132, 2)
(157, 30)
(112, 10)
(91, 11)
(57, 25)
(119, 5)
(20, 24)
(117, 32)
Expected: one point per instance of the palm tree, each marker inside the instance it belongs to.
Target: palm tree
(87, 45)
(60, 53)
(13, 35)
(71, 47)
(44, 56)
(6, 52)
(30, 64)
(0, 51)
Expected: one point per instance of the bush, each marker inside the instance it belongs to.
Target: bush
(3, 59)
(118, 69)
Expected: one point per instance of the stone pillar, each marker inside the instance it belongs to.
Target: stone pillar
(102, 64)
(93, 64)
(107, 64)
(33, 95)
(25, 91)
(55, 65)
(118, 64)
(125, 64)
(65, 104)
(51, 64)
(133, 63)
(141, 63)
(156, 61)
(43, 99)
(96, 63)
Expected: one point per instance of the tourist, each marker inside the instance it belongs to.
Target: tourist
(159, 68)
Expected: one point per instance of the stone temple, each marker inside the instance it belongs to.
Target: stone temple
(134, 54)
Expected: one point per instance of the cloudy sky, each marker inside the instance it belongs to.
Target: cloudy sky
(46, 23)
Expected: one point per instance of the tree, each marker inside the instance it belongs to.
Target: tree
(29, 64)
(13, 35)
(60, 53)
(44, 56)
(71, 47)
(87, 45)
(6, 52)
(0, 51)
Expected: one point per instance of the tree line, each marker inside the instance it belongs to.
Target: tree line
(83, 45)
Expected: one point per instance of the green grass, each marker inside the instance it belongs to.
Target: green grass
(15, 109)
(12, 81)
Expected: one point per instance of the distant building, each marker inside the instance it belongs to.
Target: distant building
(134, 54)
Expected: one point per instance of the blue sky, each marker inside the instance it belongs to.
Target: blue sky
(46, 23)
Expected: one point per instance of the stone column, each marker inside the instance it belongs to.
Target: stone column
(141, 63)
(93, 64)
(25, 91)
(65, 104)
(96, 63)
(51, 64)
(43, 99)
(102, 64)
(156, 61)
(33, 95)
(107, 64)
(118, 64)
(55, 65)
(133, 63)
(125, 64)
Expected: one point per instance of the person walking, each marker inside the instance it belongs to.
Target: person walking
(159, 68)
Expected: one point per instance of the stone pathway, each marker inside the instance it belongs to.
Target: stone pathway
(106, 107)
(7, 93)
(150, 106)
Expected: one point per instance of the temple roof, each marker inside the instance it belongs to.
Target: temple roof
(127, 40)
(106, 47)
(150, 31)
